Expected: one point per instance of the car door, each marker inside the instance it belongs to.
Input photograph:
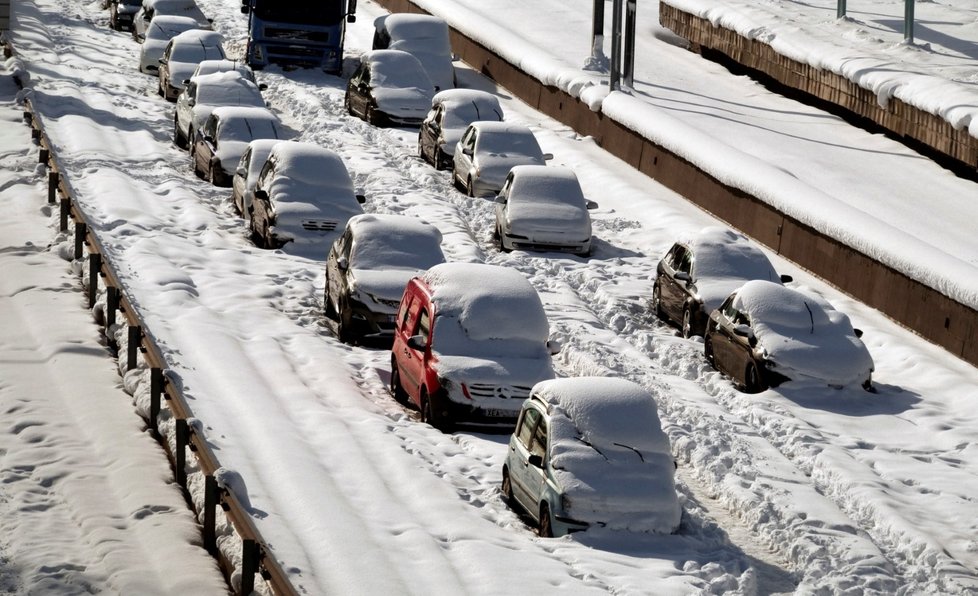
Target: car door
(464, 154)
(205, 145)
(430, 130)
(729, 348)
(240, 180)
(185, 102)
(360, 89)
(335, 274)
(673, 291)
(520, 477)
(502, 206)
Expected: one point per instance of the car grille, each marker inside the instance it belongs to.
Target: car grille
(391, 303)
(287, 35)
(319, 225)
(485, 391)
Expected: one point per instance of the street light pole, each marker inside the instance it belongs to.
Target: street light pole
(908, 22)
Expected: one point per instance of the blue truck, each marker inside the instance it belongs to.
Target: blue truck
(297, 32)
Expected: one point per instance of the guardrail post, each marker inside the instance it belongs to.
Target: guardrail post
(53, 179)
(210, 513)
(183, 439)
(80, 231)
(65, 212)
(155, 390)
(135, 336)
(43, 155)
(28, 118)
(249, 565)
(111, 306)
(94, 271)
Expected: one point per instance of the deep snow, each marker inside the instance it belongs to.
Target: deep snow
(805, 487)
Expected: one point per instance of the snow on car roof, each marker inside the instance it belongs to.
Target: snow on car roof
(489, 301)
(463, 106)
(722, 252)
(311, 165)
(201, 36)
(546, 184)
(227, 88)
(409, 26)
(170, 25)
(394, 68)
(454, 97)
(394, 242)
(505, 138)
(773, 305)
(244, 123)
(205, 67)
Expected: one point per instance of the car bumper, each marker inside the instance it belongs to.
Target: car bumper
(523, 243)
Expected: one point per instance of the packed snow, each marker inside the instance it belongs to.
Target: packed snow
(801, 488)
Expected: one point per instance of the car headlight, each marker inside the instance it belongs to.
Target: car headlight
(565, 503)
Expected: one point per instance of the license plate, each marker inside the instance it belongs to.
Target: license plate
(498, 413)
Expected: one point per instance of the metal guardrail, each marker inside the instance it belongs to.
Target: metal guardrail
(256, 558)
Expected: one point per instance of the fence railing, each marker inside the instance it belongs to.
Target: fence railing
(255, 559)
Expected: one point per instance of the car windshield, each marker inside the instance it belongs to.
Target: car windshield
(246, 129)
(397, 251)
(168, 30)
(397, 73)
(194, 52)
(326, 12)
(237, 92)
(462, 114)
(733, 261)
(509, 143)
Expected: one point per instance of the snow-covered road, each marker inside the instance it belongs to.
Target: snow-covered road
(805, 486)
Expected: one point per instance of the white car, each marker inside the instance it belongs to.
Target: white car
(304, 196)
(159, 32)
(488, 151)
(590, 451)
(389, 88)
(182, 55)
(423, 36)
(543, 208)
(174, 8)
(765, 334)
(225, 136)
(451, 113)
(246, 174)
(204, 93)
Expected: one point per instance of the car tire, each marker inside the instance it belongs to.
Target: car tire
(545, 524)
(372, 116)
(469, 189)
(344, 325)
(687, 327)
(421, 149)
(397, 390)
(178, 139)
(329, 310)
(212, 176)
(657, 301)
(441, 158)
(256, 236)
(752, 379)
(428, 414)
(348, 105)
(499, 238)
(708, 351)
(507, 489)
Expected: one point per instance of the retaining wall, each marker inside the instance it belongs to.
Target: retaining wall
(929, 313)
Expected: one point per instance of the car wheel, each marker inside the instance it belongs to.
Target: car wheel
(161, 88)
(708, 351)
(328, 308)
(256, 236)
(687, 328)
(344, 328)
(752, 379)
(373, 117)
(178, 139)
(499, 238)
(400, 395)
(349, 106)
(212, 176)
(469, 189)
(441, 159)
(428, 414)
(657, 301)
(421, 149)
(545, 524)
(508, 490)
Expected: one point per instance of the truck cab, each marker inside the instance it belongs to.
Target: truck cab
(297, 33)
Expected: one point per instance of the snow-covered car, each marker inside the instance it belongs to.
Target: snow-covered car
(159, 33)
(590, 451)
(224, 137)
(543, 208)
(206, 67)
(205, 93)
(699, 272)
(303, 195)
(368, 267)
(122, 13)
(151, 9)
(246, 174)
(423, 36)
(389, 88)
(765, 334)
(182, 55)
(451, 113)
(487, 152)
(470, 341)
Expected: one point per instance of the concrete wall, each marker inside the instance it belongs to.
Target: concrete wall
(916, 306)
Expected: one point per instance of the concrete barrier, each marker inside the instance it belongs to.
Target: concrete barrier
(924, 310)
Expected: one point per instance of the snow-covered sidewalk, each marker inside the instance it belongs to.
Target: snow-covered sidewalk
(87, 498)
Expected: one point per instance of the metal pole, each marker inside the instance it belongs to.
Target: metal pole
(630, 17)
(840, 9)
(132, 353)
(94, 272)
(210, 513)
(597, 60)
(615, 82)
(155, 391)
(249, 565)
(908, 22)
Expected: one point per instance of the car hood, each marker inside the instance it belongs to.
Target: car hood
(616, 486)
(836, 359)
(383, 284)
(506, 371)
(180, 72)
(312, 226)
(230, 154)
(403, 102)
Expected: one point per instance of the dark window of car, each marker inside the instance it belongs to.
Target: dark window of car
(528, 424)
(405, 311)
(733, 315)
(681, 259)
(267, 171)
(539, 445)
(210, 127)
(424, 325)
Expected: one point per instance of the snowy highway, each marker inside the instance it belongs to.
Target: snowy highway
(801, 488)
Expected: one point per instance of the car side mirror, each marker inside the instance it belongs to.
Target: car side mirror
(468, 151)
(858, 332)
(342, 263)
(553, 346)
(241, 172)
(191, 102)
(590, 205)
(787, 279)
(261, 195)
(262, 87)
(416, 342)
(351, 18)
(501, 199)
(683, 276)
(548, 156)
(361, 199)
(535, 460)
(186, 82)
(163, 60)
(209, 139)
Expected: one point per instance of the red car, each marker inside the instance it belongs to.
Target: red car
(470, 341)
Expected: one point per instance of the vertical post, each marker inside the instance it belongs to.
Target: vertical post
(155, 391)
(111, 307)
(615, 81)
(80, 231)
(42, 155)
(53, 179)
(94, 272)
(249, 565)
(597, 60)
(908, 21)
(135, 336)
(210, 513)
(65, 212)
(840, 9)
(629, 63)
(183, 439)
